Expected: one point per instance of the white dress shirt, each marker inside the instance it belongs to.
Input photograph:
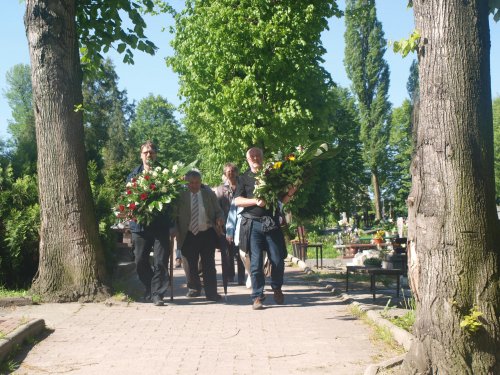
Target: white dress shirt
(202, 217)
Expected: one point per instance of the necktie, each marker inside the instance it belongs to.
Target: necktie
(194, 214)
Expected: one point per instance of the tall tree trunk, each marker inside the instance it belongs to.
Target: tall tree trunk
(71, 259)
(376, 195)
(454, 232)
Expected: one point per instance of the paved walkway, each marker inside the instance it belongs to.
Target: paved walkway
(312, 333)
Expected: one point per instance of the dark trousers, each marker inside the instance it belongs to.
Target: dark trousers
(201, 246)
(239, 265)
(235, 254)
(228, 253)
(154, 277)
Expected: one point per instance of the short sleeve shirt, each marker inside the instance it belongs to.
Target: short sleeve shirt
(246, 185)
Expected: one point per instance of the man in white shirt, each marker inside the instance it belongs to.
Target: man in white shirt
(199, 223)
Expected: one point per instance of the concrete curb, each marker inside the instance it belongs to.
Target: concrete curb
(402, 337)
(388, 364)
(302, 265)
(15, 301)
(21, 333)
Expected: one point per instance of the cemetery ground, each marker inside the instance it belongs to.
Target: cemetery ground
(320, 329)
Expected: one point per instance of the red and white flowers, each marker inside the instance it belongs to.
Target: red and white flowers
(151, 193)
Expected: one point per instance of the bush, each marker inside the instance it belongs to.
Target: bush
(19, 229)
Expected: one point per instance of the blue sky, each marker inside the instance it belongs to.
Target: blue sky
(151, 75)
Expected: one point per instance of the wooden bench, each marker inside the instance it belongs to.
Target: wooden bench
(373, 271)
(301, 244)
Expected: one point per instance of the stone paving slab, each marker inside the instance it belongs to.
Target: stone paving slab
(7, 325)
(313, 333)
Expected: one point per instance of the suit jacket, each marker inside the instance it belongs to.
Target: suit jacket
(213, 212)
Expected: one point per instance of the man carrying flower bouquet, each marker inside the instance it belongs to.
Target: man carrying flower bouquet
(154, 236)
(260, 231)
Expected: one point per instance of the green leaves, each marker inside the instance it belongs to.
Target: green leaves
(101, 27)
(19, 226)
(22, 126)
(155, 120)
(470, 323)
(250, 74)
(405, 46)
(369, 73)
(78, 108)
(494, 6)
(121, 47)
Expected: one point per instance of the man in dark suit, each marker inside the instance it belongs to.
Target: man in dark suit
(199, 220)
(153, 236)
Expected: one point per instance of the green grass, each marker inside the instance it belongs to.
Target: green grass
(9, 293)
(12, 362)
(380, 333)
(329, 252)
(19, 293)
(406, 320)
(9, 365)
(123, 292)
(328, 241)
(122, 297)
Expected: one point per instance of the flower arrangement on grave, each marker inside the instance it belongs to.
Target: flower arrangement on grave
(378, 237)
(283, 171)
(151, 193)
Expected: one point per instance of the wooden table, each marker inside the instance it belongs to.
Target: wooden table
(373, 271)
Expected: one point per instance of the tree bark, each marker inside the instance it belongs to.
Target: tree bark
(454, 231)
(71, 259)
(376, 195)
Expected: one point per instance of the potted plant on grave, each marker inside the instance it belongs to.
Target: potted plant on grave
(378, 237)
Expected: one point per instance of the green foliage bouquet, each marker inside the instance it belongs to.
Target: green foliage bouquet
(280, 173)
(151, 193)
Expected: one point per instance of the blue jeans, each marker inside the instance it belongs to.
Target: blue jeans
(273, 243)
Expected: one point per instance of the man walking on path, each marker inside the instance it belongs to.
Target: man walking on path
(155, 236)
(199, 223)
(260, 232)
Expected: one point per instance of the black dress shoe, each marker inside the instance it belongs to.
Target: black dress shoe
(193, 293)
(279, 298)
(157, 300)
(215, 298)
